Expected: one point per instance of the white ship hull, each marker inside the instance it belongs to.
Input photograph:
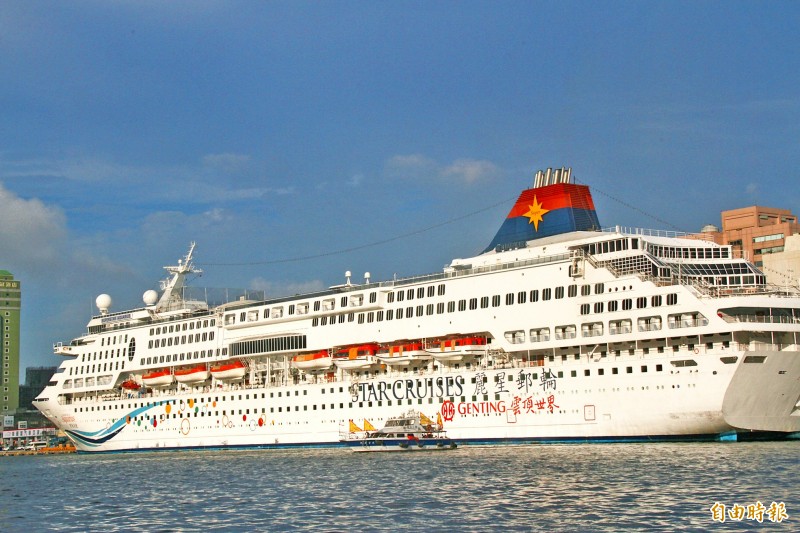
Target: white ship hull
(577, 348)
(563, 410)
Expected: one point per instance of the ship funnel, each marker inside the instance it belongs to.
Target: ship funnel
(551, 176)
(553, 206)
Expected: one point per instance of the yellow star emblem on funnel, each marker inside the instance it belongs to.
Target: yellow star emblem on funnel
(536, 213)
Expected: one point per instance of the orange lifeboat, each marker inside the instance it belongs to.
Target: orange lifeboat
(195, 374)
(456, 348)
(130, 384)
(229, 371)
(403, 354)
(321, 360)
(357, 357)
(158, 378)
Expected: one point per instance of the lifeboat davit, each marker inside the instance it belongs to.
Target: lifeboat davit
(158, 378)
(403, 354)
(321, 360)
(229, 371)
(195, 374)
(357, 357)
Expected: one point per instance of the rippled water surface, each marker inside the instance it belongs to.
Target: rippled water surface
(586, 487)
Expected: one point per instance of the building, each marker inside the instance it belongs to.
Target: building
(10, 302)
(758, 231)
(36, 379)
(758, 234)
(786, 264)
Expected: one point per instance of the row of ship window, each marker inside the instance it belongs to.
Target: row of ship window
(106, 354)
(329, 304)
(643, 369)
(420, 292)
(170, 358)
(671, 252)
(472, 304)
(104, 367)
(182, 339)
(113, 340)
(177, 358)
(120, 352)
(667, 252)
(627, 304)
(186, 326)
(615, 327)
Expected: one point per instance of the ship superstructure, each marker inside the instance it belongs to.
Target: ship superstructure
(558, 331)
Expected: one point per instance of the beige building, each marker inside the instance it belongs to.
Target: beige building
(784, 268)
(761, 234)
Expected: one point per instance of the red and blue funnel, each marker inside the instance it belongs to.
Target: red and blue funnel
(547, 210)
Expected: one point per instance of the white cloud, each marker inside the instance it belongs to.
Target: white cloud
(226, 162)
(418, 166)
(70, 169)
(217, 178)
(413, 166)
(31, 232)
(411, 161)
(178, 222)
(216, 214)
(38, 249)
(355, 180)
(470, 170)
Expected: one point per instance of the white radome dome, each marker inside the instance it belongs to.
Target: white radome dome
(150, 297)
(103, 302)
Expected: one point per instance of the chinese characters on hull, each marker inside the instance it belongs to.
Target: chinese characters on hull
(526, 392)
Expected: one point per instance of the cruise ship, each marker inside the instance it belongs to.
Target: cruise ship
(559, 331)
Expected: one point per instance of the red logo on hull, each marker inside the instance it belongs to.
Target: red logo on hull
(448, 411)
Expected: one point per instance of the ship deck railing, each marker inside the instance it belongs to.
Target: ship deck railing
(450, 272)
(657, 233)
(235, 295)
(208, 305)
(687, 323)
(762, 319)
(703, 288)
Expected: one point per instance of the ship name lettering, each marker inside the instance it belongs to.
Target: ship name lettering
(481, 408)
(411, 389)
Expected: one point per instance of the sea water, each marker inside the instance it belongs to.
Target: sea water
(577, 487)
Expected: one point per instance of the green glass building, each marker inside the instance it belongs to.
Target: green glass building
(10, 300)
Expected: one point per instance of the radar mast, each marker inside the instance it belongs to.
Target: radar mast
(173, 285)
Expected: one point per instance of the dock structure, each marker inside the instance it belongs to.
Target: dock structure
(61, 449)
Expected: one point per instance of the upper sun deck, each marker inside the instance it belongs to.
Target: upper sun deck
(563, 248)
(193, 301)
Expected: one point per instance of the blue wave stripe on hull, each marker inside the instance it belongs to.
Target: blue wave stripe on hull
(90, 441)
(102, 435)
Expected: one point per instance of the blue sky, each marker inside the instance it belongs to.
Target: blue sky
(270, 131)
